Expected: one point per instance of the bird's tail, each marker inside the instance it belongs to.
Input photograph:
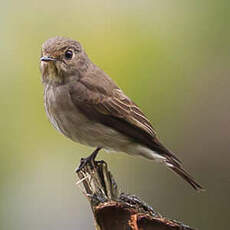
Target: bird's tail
(174, 166)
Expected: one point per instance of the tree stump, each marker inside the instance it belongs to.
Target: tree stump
(113, 210)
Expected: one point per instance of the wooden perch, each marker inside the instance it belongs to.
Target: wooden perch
(118, 211)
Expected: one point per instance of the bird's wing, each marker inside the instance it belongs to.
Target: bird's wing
(104, 102)
(100, 103)
(120, 106)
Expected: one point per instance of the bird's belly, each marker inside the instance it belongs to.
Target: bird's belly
(79, 129)
(68, 120)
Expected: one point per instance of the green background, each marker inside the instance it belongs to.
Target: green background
(170, 57)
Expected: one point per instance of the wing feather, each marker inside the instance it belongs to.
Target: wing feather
(108, 105)
(119, 105)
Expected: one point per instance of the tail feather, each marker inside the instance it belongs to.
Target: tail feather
(161, 149)
(181, 172)
(174, 163)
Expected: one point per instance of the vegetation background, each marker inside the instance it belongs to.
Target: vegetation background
(170, 57)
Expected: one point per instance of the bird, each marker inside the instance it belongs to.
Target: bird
(86, 105)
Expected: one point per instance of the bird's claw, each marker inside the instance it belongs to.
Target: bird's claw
(84, 162)
(88, 160)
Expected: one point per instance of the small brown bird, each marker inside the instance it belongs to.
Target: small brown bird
(83, 103)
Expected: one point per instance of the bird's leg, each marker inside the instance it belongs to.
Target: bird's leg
(88, 159)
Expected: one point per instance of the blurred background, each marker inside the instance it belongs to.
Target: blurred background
(170, 57)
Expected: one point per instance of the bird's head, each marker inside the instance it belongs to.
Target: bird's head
(62, 58)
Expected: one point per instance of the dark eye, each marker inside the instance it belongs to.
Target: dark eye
(68, 54)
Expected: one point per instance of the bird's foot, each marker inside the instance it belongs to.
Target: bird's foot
(88, 160)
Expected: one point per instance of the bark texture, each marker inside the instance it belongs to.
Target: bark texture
(113, 210)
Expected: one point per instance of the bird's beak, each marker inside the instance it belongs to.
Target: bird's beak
(47, 59)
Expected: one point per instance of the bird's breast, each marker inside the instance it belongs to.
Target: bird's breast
(62, 113)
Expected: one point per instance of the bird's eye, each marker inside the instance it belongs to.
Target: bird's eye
(68, 54)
